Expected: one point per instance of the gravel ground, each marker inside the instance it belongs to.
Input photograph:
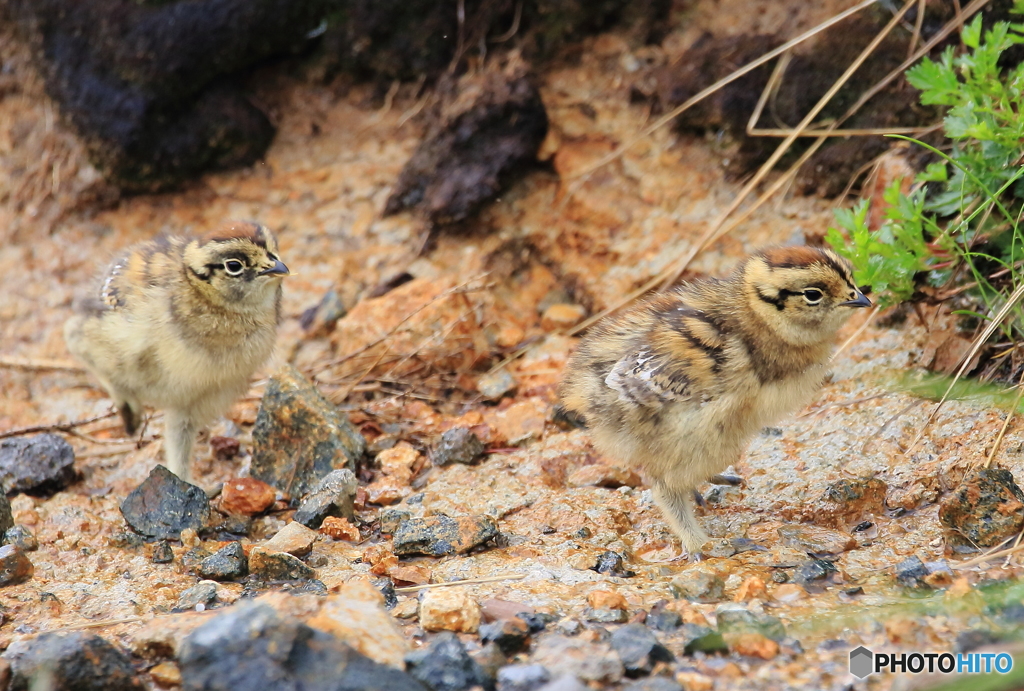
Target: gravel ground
(322, 187)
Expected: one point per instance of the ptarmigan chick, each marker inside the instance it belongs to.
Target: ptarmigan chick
(679, 384)
(181, 324)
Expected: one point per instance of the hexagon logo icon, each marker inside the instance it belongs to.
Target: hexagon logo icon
(861, 662)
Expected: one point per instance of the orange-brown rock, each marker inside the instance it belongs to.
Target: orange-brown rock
(606, 599)
(339, 529)
(246, 496)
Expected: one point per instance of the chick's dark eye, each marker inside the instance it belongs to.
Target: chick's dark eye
(812, 296)
(234, 267)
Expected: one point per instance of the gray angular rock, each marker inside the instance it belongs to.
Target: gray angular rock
(457, 445)
(510, 635)
(162, 553)
(639, 649)
(334, 495)
(437, 536)
(586, 660)
(813, 570)
(494, 385)
(226, 564)
(445, 665)
(164, 505)
(44, 463)
(698, 586)
(202, 593)
(910, 573)
(300, 437)
(278, 566)
(736, 619)
(522, 677)
(606, 615)
(250, 646)
(73, 662)
(987, 508)
(22, 537)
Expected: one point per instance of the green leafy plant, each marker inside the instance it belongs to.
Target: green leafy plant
(958, 229)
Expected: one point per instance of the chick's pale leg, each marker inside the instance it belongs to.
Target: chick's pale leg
(179, 438)
(676, 503)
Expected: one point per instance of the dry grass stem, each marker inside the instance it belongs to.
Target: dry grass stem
(467, 581)
(56, 427)
(581, 176)
(979, 341)
(12, 362)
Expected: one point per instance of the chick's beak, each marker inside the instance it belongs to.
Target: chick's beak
(860, 301)
(278, 269)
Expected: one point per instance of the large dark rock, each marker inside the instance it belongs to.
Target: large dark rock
(251, 646)
(334, 495)
(405, 39)
(987, 507)
(299, 437)
(814, 68)
(437, 536)
(72, 662)
(488, 125)
(143, 82)
(164, 505)
(44, 463)
(445, 665)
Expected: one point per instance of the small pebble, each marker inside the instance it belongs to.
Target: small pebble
(439, 536)
(334, 495)
(277, 566)
(612, 564)
(449, 609)
(14, 566)
(698, 586)
(162, 553)
(814, 570)
(510, 635)
(226, 564)
(639, 649)
(911, 572)
(294, 539)
(22, 537)
(522, 677)
(203, 593)
(246, 496)
(496, 384)
(605, 615)
(457, 445)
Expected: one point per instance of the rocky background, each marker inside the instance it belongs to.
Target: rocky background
(421, 164)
